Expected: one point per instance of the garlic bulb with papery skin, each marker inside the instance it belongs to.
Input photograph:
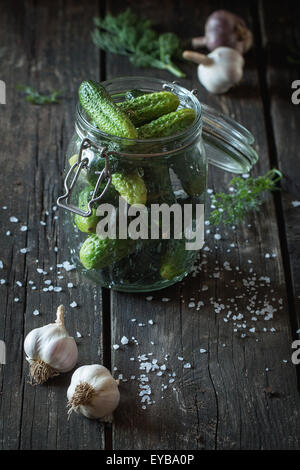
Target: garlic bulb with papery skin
(93, 392)
(50, 350)
(220, 70)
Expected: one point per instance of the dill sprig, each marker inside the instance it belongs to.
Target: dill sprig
(129, 35)
(35, 97)
(245, 194)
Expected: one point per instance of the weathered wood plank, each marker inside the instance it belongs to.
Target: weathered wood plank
(281, 38)
(224, 400)
(47, 45)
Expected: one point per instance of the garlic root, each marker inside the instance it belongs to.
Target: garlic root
(40, 372)
(82, 396)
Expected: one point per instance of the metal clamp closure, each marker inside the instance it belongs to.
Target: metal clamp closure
(64, 201)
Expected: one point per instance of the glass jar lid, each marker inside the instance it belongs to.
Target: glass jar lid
(228, 144)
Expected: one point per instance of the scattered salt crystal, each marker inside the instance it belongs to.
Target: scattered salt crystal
(79, 335)
(73, 304)
(187, 366)
(133, 319)
(202, 351)
(16, 299)
(55, 249)
(150, 322)
(2, 281)
(4, 208)
(42, 223)
(70, 284)
(59, 289)
(217, 236)
(115, 346)
(267, 255)
(35, 312)
(8, 233)
(45, 289)
(47, 282)
(24, 250)
(1, 264)
(252, 330)
(191, 304)
(163, 367)
(13, 219)
(124, 340)
(149, 298)
(165, 299)
(180, 358)
(68, 266)
(295, 203)
(19, 283)
(204, 288)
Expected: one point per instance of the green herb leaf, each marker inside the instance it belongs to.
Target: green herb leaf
(245, 195)
(129, 35)
(34, 97)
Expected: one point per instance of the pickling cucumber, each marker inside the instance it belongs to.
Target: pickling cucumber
(147, 107)
(86, 224)
(103, 111)
(175, 260)
(168, 125)
(98, 253)
(131, 187)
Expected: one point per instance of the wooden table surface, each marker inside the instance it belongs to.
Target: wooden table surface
(242, 392)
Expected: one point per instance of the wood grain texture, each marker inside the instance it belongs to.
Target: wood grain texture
(46, 45)
(221, 401)
(281, 41)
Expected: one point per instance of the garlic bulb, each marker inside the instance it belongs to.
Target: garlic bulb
(93, 392)
(50, 350)
(220, 70)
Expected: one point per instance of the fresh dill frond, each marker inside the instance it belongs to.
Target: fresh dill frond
(35, 97)
(245, 194)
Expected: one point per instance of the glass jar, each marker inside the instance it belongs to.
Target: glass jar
(105, 169)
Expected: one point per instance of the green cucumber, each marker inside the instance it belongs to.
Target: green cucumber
(175, 261)
(98, 253)
(147, 107)
(100, 107)
(86, 224)
(168, 125)
(131, 187)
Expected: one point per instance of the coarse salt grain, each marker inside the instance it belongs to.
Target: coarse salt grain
(73, 304)
(13, 219)
(115, 346)
(124, 340)
(35, 312)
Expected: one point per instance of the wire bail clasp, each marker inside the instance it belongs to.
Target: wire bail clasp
(64, 201)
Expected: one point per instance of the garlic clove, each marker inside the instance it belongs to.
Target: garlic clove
(93, 392)
(50, 350)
